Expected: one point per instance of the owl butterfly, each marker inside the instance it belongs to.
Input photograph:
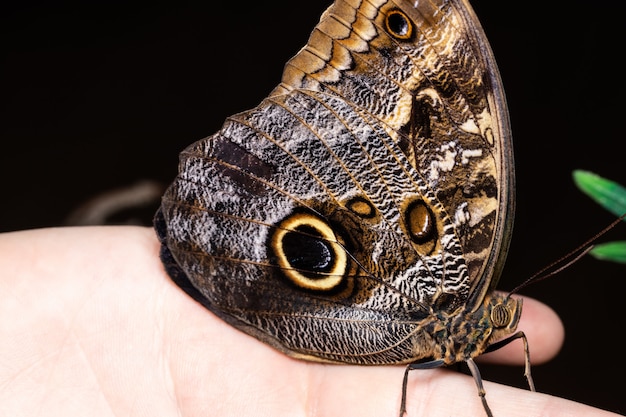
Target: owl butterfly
(361, 213)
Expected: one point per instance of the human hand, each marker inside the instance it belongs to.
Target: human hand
(90, 324)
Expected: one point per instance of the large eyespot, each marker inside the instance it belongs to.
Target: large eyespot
(308, 252)
(399, 25)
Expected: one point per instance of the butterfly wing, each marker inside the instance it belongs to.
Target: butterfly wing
(438, 92)
(367, 197)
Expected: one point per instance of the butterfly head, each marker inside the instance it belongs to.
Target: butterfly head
(504, 314)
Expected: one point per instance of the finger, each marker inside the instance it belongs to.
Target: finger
(544, 331)
(376, 391)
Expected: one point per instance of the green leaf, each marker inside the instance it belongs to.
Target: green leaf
(607, 193)
(612, 251)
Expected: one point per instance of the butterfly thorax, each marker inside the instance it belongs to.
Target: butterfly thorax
(468, 334)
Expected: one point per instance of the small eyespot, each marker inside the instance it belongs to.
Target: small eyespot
(399, 25)
(308, 253)
(361, 207)
(420, 222)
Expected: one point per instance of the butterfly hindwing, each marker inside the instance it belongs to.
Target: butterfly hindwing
(365, 204)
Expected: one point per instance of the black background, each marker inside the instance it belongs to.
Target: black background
(100, 95)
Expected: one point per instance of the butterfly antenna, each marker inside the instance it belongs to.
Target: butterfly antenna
(567, 260)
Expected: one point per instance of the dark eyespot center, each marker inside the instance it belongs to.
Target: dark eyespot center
(306, 250)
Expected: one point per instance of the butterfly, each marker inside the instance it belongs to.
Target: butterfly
(361, 213)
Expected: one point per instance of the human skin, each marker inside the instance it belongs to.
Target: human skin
(90, 324)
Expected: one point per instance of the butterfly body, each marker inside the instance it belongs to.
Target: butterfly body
(360, 214)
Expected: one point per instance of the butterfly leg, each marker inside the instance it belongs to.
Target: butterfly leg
(504, 342)
(410, 367)
(435, 364)
(479, 383)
